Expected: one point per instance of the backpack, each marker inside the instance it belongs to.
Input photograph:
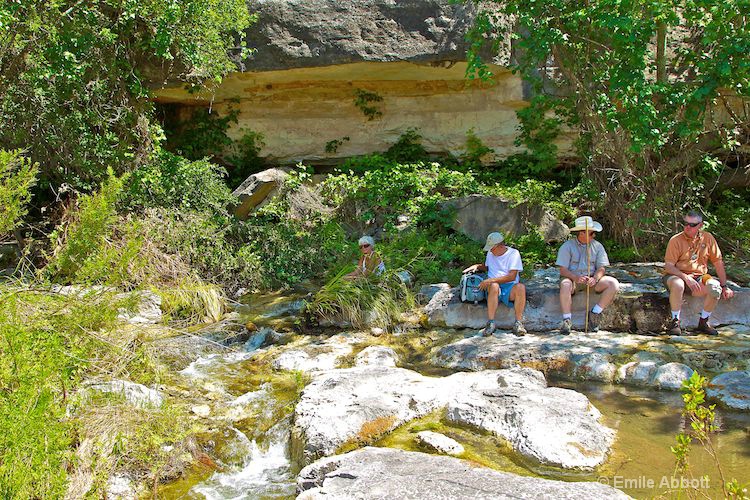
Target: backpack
(469, 286)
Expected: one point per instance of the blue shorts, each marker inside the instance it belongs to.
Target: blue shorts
(504, 295)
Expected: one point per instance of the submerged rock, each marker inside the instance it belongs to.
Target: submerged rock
(732, 389)
(439, 443)
(356, 405)
(389, 473)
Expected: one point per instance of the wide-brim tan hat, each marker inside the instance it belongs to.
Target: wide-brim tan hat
(586, 223)
(492, 240)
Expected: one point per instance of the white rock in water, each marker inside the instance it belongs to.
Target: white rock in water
(407, 475)
(732, 389)
(439, 442)
(377, 355)
(671, 376)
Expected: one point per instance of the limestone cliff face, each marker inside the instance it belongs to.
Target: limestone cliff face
(313, 57)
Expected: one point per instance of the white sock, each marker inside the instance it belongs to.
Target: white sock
(705, 314)
(597, 309)
(675, 314)
(567, 316)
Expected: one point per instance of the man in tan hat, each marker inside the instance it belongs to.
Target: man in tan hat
(582, 263)
(503, 266)
(686, 265)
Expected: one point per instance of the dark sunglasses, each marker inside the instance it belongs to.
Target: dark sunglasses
(692, 224)
(364, 246)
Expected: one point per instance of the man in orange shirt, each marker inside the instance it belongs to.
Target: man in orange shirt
(686, 265)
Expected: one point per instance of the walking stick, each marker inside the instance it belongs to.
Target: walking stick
(588, 270)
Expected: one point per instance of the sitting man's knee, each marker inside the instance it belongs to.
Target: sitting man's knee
(520, 288)
(676, 285)
(566, 284)
(494, 288)
(613, 283)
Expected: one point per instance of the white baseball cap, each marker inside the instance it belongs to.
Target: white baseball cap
(493, 239)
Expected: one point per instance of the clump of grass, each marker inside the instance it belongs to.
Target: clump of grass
(376, 301)
(193, 302)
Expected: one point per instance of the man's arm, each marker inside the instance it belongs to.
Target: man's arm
(476, 267)
(726, 292)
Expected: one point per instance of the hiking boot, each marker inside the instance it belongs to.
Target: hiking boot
(594, 319)
(518, 328)
(673, 328)
(489, 329)
(565, 326)
(705, 327)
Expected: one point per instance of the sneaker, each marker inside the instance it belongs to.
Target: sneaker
(565, 326)
(594, 319)
(705, 327)
(673, 328)
(489, 329)
(518, 328)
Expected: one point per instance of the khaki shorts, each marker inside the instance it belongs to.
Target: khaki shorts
(579, 287)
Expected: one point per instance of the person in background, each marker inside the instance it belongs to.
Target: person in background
(579, 271)
(503, 266)
(686, 266)
(370, 263)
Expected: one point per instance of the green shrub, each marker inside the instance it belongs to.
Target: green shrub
(408, 148)
(171, 181)
(17, 177)
(728, 218)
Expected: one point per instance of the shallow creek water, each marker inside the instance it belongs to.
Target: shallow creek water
(641, 463)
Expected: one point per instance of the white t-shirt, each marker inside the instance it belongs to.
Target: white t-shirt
(498, 266)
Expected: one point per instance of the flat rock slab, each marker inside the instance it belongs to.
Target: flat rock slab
(317, 355)
(659, 362)
(355, 405)
(385, 473)
(439, 443)
(732, 389)
(642, 306)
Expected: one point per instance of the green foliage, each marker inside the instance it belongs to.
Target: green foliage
(17, 177)
(366, 101)
(84, 239)
(388, 190)
(244, 156)
(475, 151)
(47, 346)
(728, 218)
(170, 181)
(643, 133)
(74, 85)
(702, 419)
(545, 193)
(407, 149)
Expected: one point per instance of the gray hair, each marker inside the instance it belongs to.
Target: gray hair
(367, 240)
(694, 214)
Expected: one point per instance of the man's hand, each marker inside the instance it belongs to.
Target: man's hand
(726, 292)
(692, 284)
(590, 281)
(582, 280)
(484, 285)
(471, 269)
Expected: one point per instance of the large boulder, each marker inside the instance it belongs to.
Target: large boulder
(314, 33)
(477, 215)
(641, 306)
(353, 406)
(258, 189)
(389, 473)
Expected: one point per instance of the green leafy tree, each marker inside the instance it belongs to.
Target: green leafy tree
(657, 91)
(75, 75)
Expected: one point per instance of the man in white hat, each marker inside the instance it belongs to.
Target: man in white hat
(582, 263)
(503, 266)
